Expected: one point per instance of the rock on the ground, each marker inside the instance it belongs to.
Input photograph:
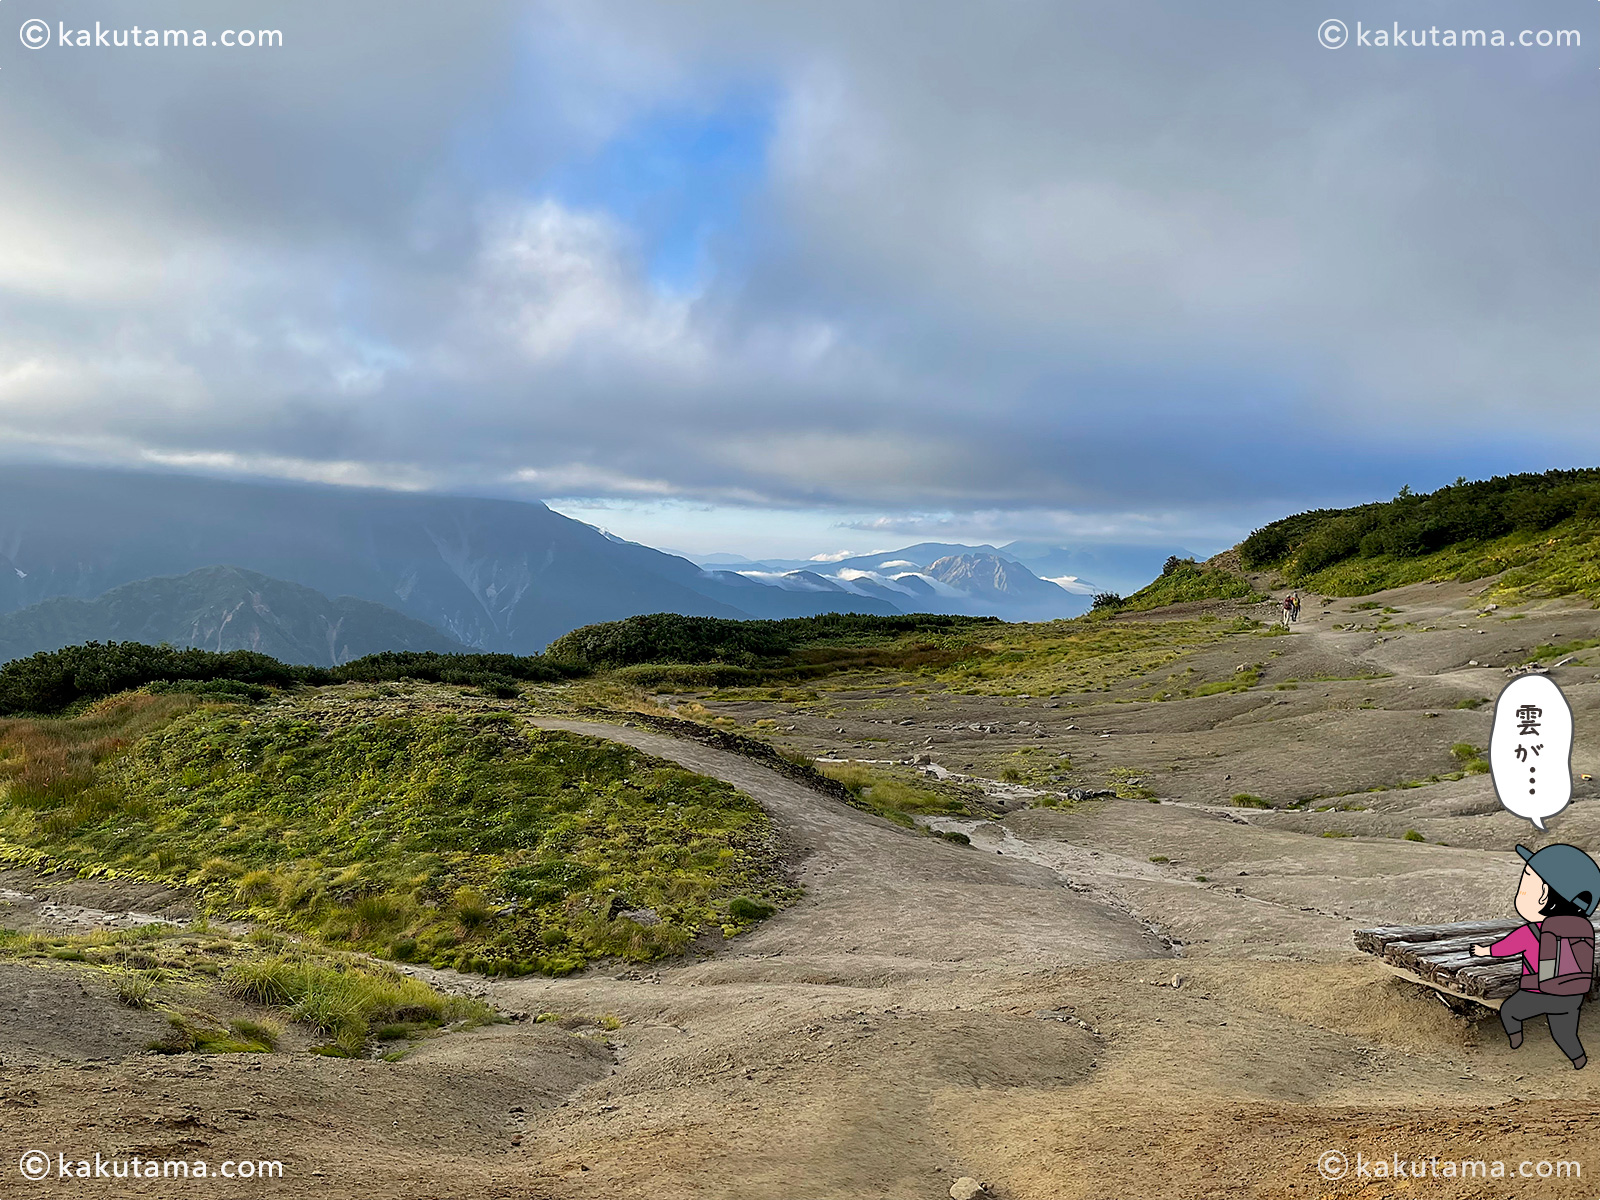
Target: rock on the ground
(967, 1188)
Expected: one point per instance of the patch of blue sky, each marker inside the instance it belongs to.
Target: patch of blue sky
(680, 180)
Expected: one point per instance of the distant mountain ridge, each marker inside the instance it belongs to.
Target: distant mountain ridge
(496, 575)
(492, 575)
(222, 608)
(938, 577)
(1078, 571)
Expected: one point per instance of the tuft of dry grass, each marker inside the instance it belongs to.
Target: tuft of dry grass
(51, 764)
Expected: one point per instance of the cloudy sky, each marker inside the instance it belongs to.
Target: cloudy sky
(796, 277)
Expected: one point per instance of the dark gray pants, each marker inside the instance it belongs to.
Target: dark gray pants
(1562, 1012)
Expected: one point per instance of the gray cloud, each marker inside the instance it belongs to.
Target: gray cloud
(1050, 258)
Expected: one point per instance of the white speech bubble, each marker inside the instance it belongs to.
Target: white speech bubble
(1530, 750)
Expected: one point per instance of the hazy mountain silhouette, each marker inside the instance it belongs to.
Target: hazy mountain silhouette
(492, 574)
(222, 608)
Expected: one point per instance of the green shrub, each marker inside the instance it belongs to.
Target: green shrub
(891, 795)
(1246, 800)
(668, 638)
(264, 1033)
(472, 910)
(54, 680)
(743, 908)
(258, 887)
(1483, 520)
(1185, 581)
(1413, 836)
(132, 988)
(375, 914)
(343, 1002)
(221, 689)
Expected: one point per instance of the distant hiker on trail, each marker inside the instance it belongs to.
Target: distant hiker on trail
(1559, 890)
(1294, 606)
(1288, 609)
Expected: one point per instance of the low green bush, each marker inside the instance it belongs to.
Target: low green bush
(744, 908)
(344, 1002)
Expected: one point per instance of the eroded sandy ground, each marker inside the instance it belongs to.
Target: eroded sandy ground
(1048, 1010)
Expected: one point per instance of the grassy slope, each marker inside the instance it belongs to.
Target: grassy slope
(1563, 560)
(456, 838)
(1084, 654)
(1542, 531)
(1190, 582)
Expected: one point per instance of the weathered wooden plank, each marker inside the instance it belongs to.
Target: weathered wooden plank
(1444, 969)
(1497, 979)
(1408, 953)
(1440, 957)
(1373, 941)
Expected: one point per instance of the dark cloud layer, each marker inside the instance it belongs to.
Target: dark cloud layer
(1133, 258)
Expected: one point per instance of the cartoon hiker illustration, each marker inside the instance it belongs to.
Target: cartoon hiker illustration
(1559, 890)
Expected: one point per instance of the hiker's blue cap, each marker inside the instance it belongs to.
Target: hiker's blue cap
(1568, 871)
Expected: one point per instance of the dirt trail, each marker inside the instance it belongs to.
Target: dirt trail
(881, 900)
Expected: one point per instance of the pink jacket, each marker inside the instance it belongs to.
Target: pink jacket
(1523, 940)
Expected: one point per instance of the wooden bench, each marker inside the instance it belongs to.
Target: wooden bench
(1440, 956)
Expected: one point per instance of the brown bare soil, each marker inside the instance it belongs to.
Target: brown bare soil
(1116, 998)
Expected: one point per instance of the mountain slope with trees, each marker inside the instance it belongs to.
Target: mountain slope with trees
(222, 609)
(1541, 530)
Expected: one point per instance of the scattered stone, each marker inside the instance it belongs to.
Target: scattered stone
(968, 1188)
(1177, 981)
